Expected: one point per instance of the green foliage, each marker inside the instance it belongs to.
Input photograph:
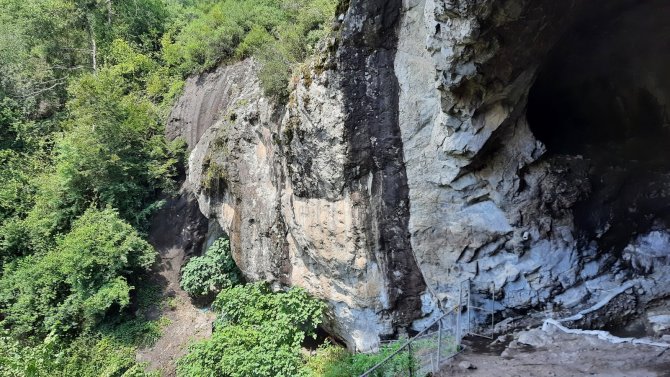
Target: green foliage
(101, 356)
(238, 351)
(136, 331)
(86, 86)
(259, 333)
(215, 173)
(333, 361)
(72, 287)
(9, 116)
(325, 360)
(17, 360)
(107, 350)
(279, 33)
(214, 36)
(38, 46)
(16, 192)
(255, 305)
(87, 356)
(114, 152)
(208, 274)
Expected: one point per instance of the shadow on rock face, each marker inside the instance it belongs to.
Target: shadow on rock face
(601, 100)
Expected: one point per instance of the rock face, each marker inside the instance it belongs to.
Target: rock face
(415, 152)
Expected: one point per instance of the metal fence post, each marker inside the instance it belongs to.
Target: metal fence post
(458, 312)
(434, 363)
(469, 306)
(439, 343)
(409, 359)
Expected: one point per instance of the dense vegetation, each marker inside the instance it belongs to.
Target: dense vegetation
(207, 275)
(279, 33)
(333, 361)
(258, 333)
(85, 87)
(261, 333)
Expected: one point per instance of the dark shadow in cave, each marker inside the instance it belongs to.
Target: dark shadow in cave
(601, 99)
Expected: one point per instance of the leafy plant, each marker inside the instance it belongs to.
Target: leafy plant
(278, 33)
(334, 361)
(86, 356)
(72, 287)
(85, 89)
(208, 274)
(258, 333)
(114, 152)
(325, 360)
(135, 332)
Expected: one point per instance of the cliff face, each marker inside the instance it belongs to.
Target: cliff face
(404, 161)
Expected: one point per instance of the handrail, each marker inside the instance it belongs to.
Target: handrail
(387, 358)
(459, 334)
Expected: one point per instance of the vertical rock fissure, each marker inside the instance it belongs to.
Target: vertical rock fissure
(375, 167)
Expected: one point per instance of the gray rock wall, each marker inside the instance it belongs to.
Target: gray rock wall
(487, 200)
(403, 164)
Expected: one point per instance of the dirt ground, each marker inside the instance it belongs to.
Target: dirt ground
(557, 354)
(177, 231)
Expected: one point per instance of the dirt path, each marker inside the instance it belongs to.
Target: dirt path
(177, 231)
(558, 355)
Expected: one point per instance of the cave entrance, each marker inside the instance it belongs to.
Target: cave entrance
(601, 101)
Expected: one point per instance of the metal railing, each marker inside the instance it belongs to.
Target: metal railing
(470, 307)
(441, 340)
(407, 346)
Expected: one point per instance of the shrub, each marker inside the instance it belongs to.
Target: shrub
(208, 274)
(333, 361)
(86, 356)
(73, 286)
(279, 33)
(114, 152)
(258, 333)
(326, 358)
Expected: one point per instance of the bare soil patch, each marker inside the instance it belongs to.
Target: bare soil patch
(177, 231)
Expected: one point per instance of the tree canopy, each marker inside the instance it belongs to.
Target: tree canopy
(85, 89)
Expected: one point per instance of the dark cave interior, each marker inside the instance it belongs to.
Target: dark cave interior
(601, 99)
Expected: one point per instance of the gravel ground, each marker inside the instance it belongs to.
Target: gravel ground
(537, 353)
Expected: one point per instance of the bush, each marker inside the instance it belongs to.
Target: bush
(208, 274)
(333, 361)
(16, 192)
(86, 356)
(258, 333)
(279, 33)
(83, 160)
(326, 358)
(72, 287)
(114, 152)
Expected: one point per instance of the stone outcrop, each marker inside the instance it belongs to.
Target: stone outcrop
(405, 163)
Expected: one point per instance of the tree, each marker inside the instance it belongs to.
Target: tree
(114, 152)
(72, 287)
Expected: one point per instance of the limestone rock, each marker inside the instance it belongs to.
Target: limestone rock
(404, 163)
(466, 365)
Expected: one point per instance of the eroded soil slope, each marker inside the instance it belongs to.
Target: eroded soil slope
(178, 230)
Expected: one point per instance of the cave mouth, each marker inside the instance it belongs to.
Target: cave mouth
(601, 100)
